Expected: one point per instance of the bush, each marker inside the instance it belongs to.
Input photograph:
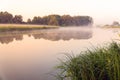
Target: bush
(97, 64)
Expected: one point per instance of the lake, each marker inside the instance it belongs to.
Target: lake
(33, 54)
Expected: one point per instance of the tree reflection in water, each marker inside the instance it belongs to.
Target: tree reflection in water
(51, 34)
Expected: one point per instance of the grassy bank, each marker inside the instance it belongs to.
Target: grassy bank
(111, 27)
(9, 27)
(98, 64)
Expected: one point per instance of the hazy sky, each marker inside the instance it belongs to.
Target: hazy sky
(102, 11)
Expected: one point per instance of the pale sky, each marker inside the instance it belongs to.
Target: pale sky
(102, 11)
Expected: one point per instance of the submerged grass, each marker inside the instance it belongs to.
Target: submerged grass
(98, 64)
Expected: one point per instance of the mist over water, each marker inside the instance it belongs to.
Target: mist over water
(51, 34)
(32, 55)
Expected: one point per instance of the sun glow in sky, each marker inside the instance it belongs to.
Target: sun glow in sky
(102, 11)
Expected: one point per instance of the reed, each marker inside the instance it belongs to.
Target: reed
(97, 64)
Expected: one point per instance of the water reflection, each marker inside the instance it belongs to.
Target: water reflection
(9, 38)
(63, 36)
(52, 34)
(37, 54)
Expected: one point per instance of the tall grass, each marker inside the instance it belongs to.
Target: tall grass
(98, 64)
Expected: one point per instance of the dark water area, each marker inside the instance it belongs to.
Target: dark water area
(32, 55)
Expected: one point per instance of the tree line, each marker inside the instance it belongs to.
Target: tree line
(64, 20)
(6, 17)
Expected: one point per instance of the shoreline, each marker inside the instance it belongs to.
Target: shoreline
(19, 27)
(110, 27)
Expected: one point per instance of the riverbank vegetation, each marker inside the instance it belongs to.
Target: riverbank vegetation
(96, 64)
(115, 24)
(18, 27)
(57, 20)
(110, 26)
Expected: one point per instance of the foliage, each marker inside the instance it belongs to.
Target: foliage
(29, 21)
(57, 20)
(17, 19)
(6, 17)
(98, 64)
(65, 20)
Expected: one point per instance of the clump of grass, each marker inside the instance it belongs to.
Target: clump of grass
(98, 64)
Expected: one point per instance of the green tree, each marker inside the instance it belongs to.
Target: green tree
(17, 19)
(5, 17)
(37, 20)
(54, 20)
(29, 21)
(65, 20)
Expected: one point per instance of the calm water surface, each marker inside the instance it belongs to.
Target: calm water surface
(32, 55)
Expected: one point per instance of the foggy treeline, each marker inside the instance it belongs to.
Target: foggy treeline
(57, 20)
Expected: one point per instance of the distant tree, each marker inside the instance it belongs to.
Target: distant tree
(17, 19)
(37, 20)
(54, 20)
(115, 23)
(29, 21)
(65, 20)
(5, 17)
(34, 21)
(58, 18)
